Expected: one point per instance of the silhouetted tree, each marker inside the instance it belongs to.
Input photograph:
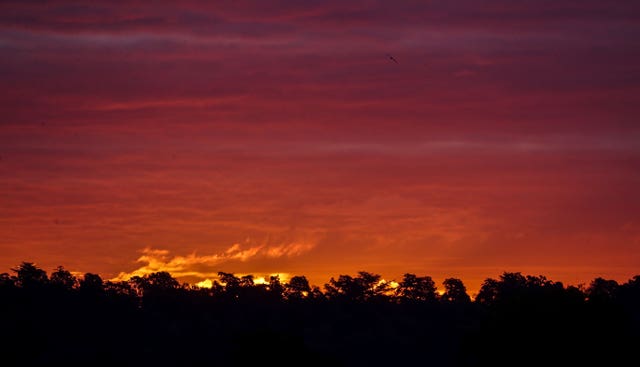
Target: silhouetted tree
(159, 290)
(366, 286)
(539, 281)
(344, 287)
(161, 281)
(6, 281)
(246, 281)
(276, 289)
(455, 291)
(629, 297)
(629, 292)
(231, 285)
(575, 293)
(602, 290)
(297, 288)
(156, 319)
(91, 284)
(488, 293)
(119, 289)
(230, 281)
(137, 284)
(63, 279)
(373, 284)
(416, 289)
(28, 276)
(316, 294)
(217, 288)
(511, 286)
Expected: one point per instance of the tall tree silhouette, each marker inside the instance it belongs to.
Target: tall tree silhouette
(602, 290)
(6, 280)
(416, 289)
(91, 284)
(489, 292)
(276, 288)
(63, 279)
(455, 291)
(28, 276)
(297, 288)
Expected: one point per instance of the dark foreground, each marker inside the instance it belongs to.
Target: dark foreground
(356, 321)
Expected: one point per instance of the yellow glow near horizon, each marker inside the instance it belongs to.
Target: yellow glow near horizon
(284, 277)
(264, 279)
(207, 283)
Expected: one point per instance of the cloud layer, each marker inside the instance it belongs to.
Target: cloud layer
(203, 268)
(505, 138)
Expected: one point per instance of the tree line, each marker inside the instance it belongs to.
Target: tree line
(356, 320)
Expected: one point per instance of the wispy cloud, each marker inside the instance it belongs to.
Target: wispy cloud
(205, 266)
(289, 250)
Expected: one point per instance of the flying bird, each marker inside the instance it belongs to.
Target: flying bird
(392, 59)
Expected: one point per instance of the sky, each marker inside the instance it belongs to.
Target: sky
(281, 137)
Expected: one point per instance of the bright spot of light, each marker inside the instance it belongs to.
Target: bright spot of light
(207, 283)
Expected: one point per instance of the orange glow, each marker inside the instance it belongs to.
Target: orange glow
(207, 283)
(204, 268)
(279, 142)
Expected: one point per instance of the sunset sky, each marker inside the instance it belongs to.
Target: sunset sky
(279, 137)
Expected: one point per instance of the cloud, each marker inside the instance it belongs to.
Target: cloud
(201, 122)
(289, 250)
(205, 267)
(255, 17)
